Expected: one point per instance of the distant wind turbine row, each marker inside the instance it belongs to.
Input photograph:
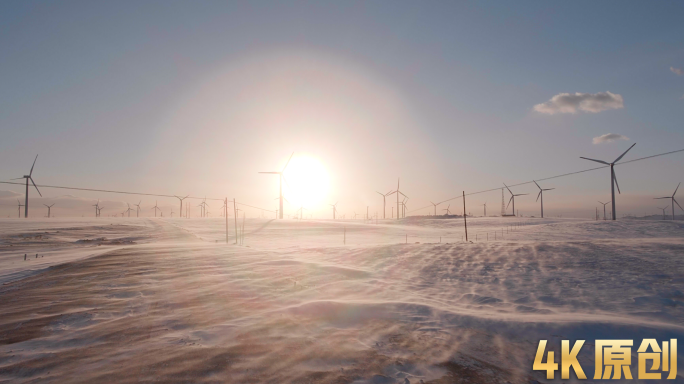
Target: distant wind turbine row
(401, 205)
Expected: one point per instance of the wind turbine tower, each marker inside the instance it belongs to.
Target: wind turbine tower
(334, 207)
(604, 209)
(513, 198)
(541, 194)
(397, 192)
(181, 204)
(435, 206)
(613, 178)
(384, 204)
(29, 177)
(673, 201)
(280, 176)
(48, 207)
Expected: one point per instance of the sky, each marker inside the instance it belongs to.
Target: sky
(196, 98)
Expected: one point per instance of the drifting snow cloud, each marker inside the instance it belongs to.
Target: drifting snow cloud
(585, 102)
(609, 138)
(677, 71)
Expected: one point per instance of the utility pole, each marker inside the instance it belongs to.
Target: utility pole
(235, 214)
(465, 222)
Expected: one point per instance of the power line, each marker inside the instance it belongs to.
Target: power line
(127, 193)
(551, 177)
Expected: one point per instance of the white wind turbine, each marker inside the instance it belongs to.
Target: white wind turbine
(604, 209)
(49, 207)
(673, 201)
(613, 178)
(541, 194)
(448, 213)
(384, 204)
(334, 207)
(29, 177)
(435, 206)
(281, 177)
(512, 198)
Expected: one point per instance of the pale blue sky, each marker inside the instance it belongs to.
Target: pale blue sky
(196, 97)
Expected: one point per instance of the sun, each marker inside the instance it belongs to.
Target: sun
(307, 181)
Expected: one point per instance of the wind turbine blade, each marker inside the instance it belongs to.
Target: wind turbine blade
(379, 193)
(540, 192)
(509, 202)
(391, 193)
(598, 161)
(403, 194)
(286, 183)
(675, 192)
(18, 178)
(616, 183)
(680, 207)
(34, 164)
(601, 202)
(536, 184)
(548, 189)
(388, 193)
(618, 159)
(666, 197)
(288, 162)
(509, 190)
(34, 185)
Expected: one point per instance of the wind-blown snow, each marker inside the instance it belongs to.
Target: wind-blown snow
(123, 300)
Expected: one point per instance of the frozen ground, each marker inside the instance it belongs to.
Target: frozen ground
(130, 300)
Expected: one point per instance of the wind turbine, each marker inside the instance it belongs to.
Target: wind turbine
(613, 178)
(128, 210)
(137, 210)
(280, 175)
(99, 210)
(181, 203)
(155, 208)
(19, 208)
(384, 204)
(334, 206)
(485, 209)
(541, 194)
(28, 177)
(48, 207)
(673, 201)
(403, 207)
(447, 210)
(397, 192)
(96, 205)
(663, 209)
(604, 209)
(513, 198)
(435, 205)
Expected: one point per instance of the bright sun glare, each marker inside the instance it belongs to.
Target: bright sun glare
(307, 181)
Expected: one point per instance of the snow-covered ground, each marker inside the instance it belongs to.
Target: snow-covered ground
(124, 300)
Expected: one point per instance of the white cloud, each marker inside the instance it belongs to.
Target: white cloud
(677, 71)
(575, 102)
(608, 138)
